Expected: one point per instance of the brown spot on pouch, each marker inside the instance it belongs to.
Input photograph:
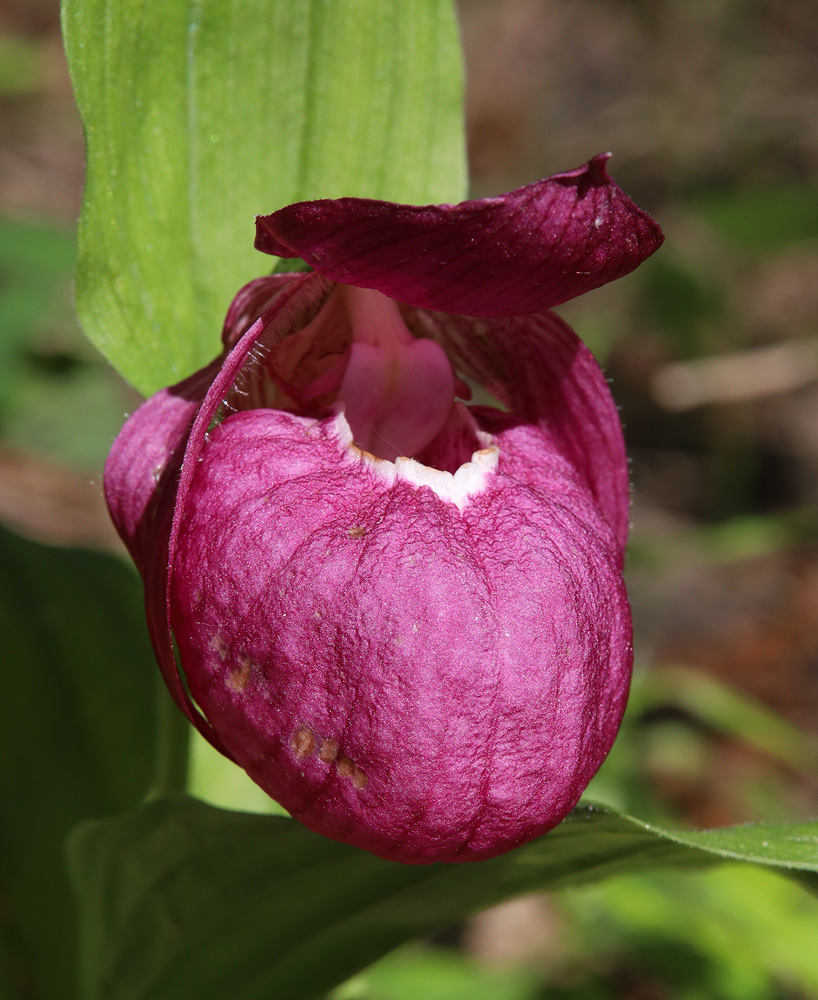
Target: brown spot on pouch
(218, 645)
(303, 742)
(348, 769)
(237, 679)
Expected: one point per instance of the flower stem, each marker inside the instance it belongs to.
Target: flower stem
(172, 750)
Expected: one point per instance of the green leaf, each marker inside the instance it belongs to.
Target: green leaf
(77, 688)
(181, 900)
(726, 710)
(438, 974)
(199, 114)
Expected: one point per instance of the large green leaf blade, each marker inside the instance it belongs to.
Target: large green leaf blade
(77, 691)
(182, 900)
(201, 113)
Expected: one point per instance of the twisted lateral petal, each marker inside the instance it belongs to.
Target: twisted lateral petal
(144, 462)
(252, 302)
(540, 369)
(517, 254)
(140, 489)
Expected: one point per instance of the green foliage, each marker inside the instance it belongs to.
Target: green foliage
(200, 115)
(34, 265)
(57, 396)
(727, 711)
(729, 933)
(436, 974)
(680, 301)
(733, 933)
(77, 689)
(183, 900)
(761, 219)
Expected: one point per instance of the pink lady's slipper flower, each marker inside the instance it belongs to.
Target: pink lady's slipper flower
(402, 615)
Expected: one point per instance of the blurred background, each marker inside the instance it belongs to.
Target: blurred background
(711, 110)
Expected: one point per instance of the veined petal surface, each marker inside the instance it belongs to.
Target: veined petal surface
(517, 254)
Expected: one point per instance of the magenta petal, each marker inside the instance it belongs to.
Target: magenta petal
(428, 682)
(140, 481)
(517, 254)
(540, 369)
(148, 452)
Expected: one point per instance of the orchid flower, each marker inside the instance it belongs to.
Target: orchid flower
(403, 616)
